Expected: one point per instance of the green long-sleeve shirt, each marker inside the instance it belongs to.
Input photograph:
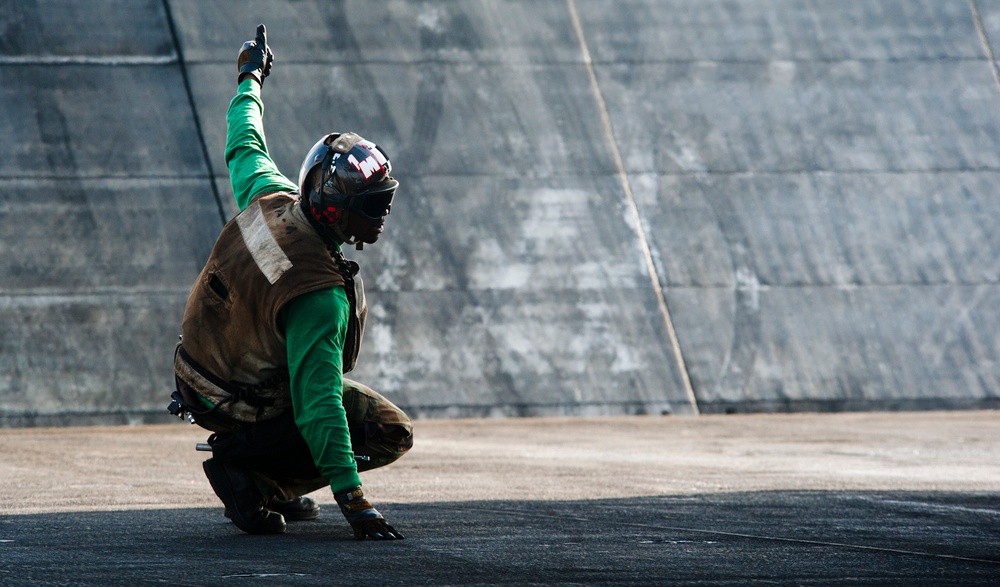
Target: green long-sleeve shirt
(315, 323)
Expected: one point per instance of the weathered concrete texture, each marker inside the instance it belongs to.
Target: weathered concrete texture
(788, 116)
(81, 369)
(95, 234)
(60, 31)
(95, 274)
(351, 32)
(823, 229)
(814, 182)
(816, 188)
(97, 121)
(775, 30)
(873, 288)
(785, 345)
(101, 174)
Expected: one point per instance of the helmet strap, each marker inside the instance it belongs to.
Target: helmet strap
(335, 230)
(341, 234)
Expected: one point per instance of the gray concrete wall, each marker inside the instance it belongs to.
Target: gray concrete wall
(607, 207)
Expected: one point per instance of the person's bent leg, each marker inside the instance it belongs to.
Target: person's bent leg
(272, 447)
(275, 457)
(380, 431)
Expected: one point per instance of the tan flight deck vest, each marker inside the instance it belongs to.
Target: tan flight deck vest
(232, 351)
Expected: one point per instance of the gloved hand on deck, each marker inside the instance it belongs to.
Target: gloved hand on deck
(363, 518)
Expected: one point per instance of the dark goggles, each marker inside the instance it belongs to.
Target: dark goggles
(373, 205)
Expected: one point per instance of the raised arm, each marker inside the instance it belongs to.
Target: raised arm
(251, 170)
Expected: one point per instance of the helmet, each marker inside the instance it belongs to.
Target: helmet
(345, 172)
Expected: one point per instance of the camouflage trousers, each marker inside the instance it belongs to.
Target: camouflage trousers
(276, 455)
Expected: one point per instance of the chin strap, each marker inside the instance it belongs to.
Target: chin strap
(341, 235)
(338, 231)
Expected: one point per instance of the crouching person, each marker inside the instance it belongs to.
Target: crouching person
(274, 321)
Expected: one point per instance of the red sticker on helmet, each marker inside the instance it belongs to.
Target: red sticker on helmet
(329, 215)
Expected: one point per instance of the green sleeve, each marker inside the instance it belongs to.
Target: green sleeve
(315, 329)
(251, 170)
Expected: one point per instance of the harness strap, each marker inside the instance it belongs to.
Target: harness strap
(236, 393)
(344, 268)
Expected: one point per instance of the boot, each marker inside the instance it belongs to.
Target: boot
(298, 509)
(244, 503)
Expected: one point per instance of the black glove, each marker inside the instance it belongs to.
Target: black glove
(365, 519)
(256, 57)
